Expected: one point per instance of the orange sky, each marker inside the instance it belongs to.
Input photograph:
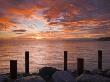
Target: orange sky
(54, 18)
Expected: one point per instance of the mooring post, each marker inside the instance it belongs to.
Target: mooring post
(100, 59)
(27, 62)
(65, 61)
(13, 69)
(80, 65)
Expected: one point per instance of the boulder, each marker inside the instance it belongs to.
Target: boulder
(97, 71)
(92, 78)
(63, 76)
(107, 72)
(47, 72)
(30, 79)
(3, 78)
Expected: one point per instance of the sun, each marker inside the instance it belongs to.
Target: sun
(38, 37)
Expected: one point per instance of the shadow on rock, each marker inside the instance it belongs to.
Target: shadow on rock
(47, 72)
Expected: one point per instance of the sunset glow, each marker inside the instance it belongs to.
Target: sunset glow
(54, 19)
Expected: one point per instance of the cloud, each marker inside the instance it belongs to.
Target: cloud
(67, 18)
(5, 24)
(19, 30)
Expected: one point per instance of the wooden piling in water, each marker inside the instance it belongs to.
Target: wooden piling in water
(80, 65)
(27, 62)
(13, 69)
(99, 59)
(65, 61)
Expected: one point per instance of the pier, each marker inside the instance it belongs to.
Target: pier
(80, 64)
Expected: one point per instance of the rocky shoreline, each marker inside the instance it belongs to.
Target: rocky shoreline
(49, 74)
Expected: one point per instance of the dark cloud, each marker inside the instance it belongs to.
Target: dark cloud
(69, 9)
(20, 33)
(3, 27)
(20, 30)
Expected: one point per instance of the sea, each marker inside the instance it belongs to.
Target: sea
(50, 53)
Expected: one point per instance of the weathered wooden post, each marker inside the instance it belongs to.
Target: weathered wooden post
(27, 62)
(80, 65)
(65, 61)
(13, 69)
(99, 59)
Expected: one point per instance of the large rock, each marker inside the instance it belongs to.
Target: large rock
(107, 73)
(30, 79)
(47, 72)
(3, 78)
(92, 78)
(63, 76)
(97, 71)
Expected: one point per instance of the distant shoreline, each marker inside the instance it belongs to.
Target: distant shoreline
(59, 39)
(104, 39)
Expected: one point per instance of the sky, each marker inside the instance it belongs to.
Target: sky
(54, 19)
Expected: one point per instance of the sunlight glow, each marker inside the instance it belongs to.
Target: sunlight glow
(38, 37)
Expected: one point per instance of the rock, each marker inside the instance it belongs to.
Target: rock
(87, 72)
(97, 71)
(47, 72)
(3, 78)
(63, 76)
(30, 79)
(92, 78)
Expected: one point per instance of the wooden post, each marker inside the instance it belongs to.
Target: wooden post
(65, 60)
(99, 59)
(27, 62)
(80, 65)
(13, 69)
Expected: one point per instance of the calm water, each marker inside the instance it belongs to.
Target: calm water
(50, 53)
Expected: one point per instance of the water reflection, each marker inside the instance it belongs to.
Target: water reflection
(50, 53)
